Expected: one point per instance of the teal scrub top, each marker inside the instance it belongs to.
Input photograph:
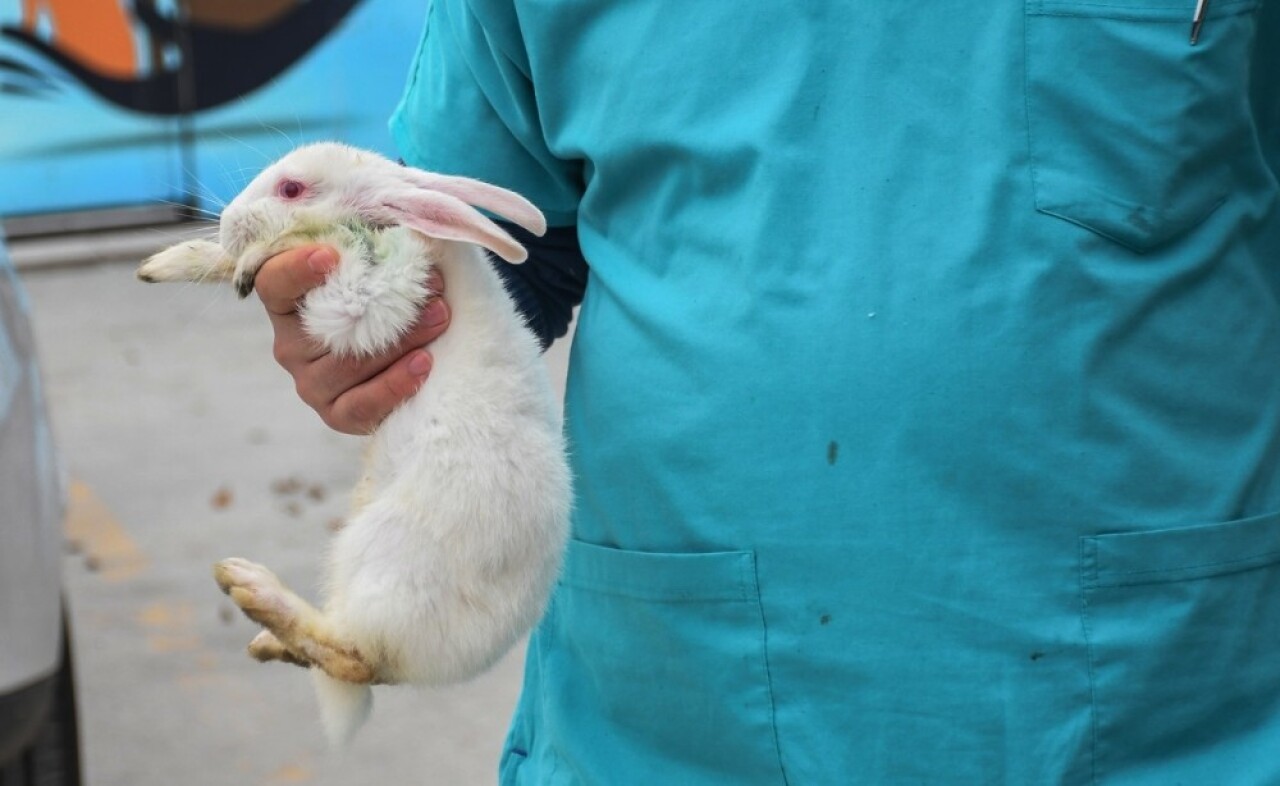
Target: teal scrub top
(925, 398)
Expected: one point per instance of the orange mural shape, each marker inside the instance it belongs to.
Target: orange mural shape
(139, 57)
(237, 14)
(95, 33)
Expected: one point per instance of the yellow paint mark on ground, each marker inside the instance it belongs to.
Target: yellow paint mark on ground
(163, 643)
(170, 625)
(290, 773)
(90, 523)
(166, 615)
(204, 680)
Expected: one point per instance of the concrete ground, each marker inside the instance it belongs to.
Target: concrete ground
(185, 444)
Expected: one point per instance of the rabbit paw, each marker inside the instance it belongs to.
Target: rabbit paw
(259, 594)
(296, 632)
(372, 298)
(196, 260)
(265, 647)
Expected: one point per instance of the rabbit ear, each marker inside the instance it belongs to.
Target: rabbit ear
(498, 201)
(442, 216)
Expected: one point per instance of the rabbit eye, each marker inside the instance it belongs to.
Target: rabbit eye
(290, 189)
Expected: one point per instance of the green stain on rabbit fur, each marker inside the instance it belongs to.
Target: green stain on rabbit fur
(344, 233)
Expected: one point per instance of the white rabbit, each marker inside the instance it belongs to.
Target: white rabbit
(461, 516)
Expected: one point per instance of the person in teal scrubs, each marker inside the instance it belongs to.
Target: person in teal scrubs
(924, 401)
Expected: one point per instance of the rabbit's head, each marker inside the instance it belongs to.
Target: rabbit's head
(324, 184)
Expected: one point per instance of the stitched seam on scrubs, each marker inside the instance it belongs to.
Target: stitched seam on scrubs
(736, 594)
(768, 673)
(416, 68)
(1171, 14)
(1088, 565)
(660, 577)
(1253, 562)
(1026, 102)
(1179, 7)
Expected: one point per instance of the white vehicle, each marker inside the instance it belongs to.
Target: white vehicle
(38, 736)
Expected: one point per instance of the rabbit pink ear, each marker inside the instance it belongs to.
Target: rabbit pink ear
(498, 201)
(448, 218)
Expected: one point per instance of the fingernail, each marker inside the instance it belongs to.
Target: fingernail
(437, 314)
(320, 260)
(420, 364)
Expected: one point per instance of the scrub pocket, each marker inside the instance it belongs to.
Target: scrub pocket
(662, 673)
(1183, 630)
(1135, 133)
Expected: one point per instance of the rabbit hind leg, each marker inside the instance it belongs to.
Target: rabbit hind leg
(298, 626)
(265, 648)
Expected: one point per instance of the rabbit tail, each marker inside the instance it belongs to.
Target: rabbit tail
(344, 706)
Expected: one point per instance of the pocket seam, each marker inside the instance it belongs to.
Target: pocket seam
(1198, 570)
(768, 672)
(1189, 553)
(703, 577)
(1086, 629)
(1168, 13)
(1058, 211)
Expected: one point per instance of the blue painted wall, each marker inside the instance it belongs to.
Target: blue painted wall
(74, 138)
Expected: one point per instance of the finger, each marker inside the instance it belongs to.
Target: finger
(283, 280)
(293, 346)
(326, 377)
(289, 275)
(360, 409)
(435, 282)
(434, 321)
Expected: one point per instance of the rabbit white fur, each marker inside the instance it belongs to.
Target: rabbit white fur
(460, 519)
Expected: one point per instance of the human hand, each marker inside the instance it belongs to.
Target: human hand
(351, 395)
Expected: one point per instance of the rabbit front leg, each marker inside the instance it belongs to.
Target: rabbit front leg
(195, 260)
(202, 261)
(298, 626)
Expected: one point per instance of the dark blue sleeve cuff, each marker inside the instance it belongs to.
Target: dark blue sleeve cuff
(548, 286)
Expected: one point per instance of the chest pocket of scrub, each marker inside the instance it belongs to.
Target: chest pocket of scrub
(1183, 628)
(660, 673)
(1135, 133)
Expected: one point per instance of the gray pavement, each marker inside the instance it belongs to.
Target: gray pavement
(185, 444)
